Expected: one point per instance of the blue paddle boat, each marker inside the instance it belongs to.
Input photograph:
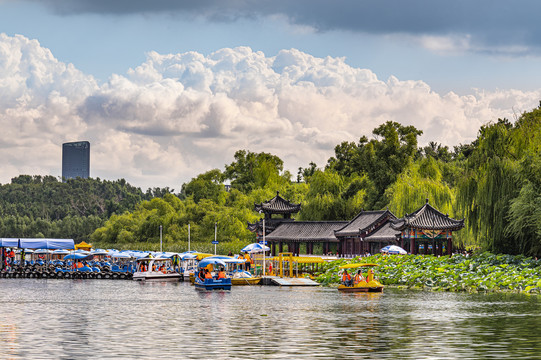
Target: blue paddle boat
(213, 283)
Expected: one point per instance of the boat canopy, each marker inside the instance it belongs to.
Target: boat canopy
(352, 266)
(211, 261)
(37, 243)
(78, 256)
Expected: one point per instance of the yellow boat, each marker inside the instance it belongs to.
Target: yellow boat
(370, 285)
(246, 281)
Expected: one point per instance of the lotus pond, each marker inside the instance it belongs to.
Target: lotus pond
(478, 273)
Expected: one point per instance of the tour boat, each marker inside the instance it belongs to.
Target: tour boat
(368, 285)
(155, 269)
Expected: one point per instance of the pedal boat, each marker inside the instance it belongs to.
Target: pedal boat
(212, 284)
(363, 286)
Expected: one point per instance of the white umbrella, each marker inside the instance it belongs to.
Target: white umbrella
(393, 249)
(255, 247)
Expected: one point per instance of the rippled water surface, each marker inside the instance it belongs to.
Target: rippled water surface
(100, 319)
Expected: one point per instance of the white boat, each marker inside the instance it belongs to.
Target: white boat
(155, 269)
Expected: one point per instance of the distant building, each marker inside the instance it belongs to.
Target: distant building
(76, 160)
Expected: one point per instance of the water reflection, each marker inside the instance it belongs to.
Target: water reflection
(101, 319)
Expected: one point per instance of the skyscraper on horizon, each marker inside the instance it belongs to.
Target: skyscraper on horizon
(75, 160)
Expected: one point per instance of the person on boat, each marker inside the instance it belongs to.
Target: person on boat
(221, 274)
(346, 278)
(201, 274)
(358, 277)
(370, 275)
(229, 253)
(208, 275)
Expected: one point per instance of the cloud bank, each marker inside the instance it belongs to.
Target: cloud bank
(484, 26)
(177, 115)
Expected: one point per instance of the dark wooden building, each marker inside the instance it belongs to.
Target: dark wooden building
(427, 231)
(368, 232)
(295, 233)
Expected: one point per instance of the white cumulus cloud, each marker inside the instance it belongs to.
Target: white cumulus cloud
(177, 115)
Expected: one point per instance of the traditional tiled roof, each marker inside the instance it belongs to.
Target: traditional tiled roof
(270, 225)
(427, 218)
(363, 221)
(306, 231)
(278, 205)
(384, 234)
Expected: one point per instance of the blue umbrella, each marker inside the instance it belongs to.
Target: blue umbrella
(255, 247)
(393, 249)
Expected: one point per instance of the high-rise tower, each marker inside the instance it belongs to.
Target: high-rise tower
(75, 160)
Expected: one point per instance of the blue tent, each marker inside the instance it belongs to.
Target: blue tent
(46, 244)
(9, 242)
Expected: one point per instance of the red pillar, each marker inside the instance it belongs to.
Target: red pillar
(413, 248)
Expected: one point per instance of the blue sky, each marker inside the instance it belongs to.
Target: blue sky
(466, 62)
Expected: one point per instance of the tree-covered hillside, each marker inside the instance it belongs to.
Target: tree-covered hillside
(36, 206)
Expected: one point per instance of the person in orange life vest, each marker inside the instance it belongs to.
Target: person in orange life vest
(201, 274)
(248, 261)
(208, 275)
(358, 277)
(346, 278)
(221, 274)
(270, 268)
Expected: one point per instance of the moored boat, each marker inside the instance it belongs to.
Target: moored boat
(212, 282)
(368, 284)
(155, 269)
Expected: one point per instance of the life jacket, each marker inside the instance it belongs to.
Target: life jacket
(208, 276)
(346, 277)
(221, 275)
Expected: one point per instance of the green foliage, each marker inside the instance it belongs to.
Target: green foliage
(33, 206)
(485, 272)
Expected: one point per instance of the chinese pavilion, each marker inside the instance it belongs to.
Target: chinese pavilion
(427, 231)
(277, 206)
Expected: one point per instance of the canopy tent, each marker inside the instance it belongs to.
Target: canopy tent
(9, 242)
(83, 246)
(42, 243)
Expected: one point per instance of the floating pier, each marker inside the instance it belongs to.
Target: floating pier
(275, 280)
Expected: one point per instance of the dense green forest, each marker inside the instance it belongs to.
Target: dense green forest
(494, 183)
(36, 206)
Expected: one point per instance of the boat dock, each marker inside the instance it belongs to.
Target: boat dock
(275, 280)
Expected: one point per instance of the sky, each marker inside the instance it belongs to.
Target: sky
(165, 90)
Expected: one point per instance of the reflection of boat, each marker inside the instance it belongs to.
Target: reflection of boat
(368, 285)
(212, 283)
(155, 269)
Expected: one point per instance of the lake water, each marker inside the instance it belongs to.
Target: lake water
(101, 319)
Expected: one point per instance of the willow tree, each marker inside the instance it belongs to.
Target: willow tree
(422, 180)
(490, 184)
